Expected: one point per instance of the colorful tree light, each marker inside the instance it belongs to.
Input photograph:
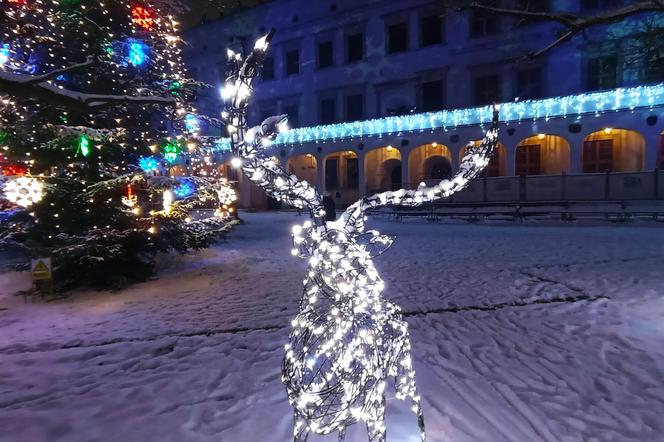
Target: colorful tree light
(171, 150)
(191, 123)
(142, 17)
(4, 54)
(24, 191)
(184, 188)
(83, 145)
(138, 52)
(148, 164)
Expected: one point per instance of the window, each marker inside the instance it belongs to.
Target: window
(431, 30)
(397, 38)
(352, 173)
(531, 6)
(593, 5)
(602, 73)
(325, 54)
(331, 176)
(493, 168)
(433, 94)
(487, 89)
(654, 70)
(529, 84)
(484, 22)
(354, 107)
(268, 68)
(293, 112)
(293, 62)
(328, 111)
(266, 112)
(597, 156)
(660, 156)
(528, 159)
(355, 47)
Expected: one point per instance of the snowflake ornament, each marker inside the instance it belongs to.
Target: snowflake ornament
(24, 191)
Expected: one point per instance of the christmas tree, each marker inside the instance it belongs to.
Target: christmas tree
(94, 113)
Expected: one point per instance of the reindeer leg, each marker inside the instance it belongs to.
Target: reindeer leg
(300, 429)
(406, 385)
(376, 426)
(417, 408)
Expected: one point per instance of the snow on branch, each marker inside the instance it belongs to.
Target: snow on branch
(39, 88)
(573, 24)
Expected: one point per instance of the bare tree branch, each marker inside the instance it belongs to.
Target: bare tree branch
(49, 75)
(574, 24)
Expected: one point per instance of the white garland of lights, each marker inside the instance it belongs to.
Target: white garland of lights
(24, 191)
(346, 340)
(593, 103)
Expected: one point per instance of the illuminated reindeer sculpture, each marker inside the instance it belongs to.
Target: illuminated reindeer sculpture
(346, 340)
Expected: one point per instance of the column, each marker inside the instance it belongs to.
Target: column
(320, 174)
(361, 178)
(575, 146)
(405, 178)
(245, 190)
(653, 141)
(510, 158)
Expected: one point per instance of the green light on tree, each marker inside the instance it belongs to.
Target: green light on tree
(84, 145)
(170, 150)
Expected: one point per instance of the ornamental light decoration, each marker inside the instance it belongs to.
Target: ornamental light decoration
(347, 340)
(24, 191)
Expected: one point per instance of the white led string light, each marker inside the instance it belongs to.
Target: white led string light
(347, 340)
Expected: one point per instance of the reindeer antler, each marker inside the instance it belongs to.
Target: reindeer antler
(248, 144)
(474, 162)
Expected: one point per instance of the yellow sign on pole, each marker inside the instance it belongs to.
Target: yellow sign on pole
(41, 269)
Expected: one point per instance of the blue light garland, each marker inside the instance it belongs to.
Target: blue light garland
(557, 107)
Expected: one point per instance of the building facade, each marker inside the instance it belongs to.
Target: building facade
(387, 94)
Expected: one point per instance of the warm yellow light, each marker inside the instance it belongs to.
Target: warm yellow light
(434, 144)
(541, 136)
(389, 148)
(309, 155)
(608, 131)
(152, 230)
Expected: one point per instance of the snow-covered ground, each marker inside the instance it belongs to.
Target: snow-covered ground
(520, 333)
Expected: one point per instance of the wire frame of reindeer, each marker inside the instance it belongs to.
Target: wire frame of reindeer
(347, 341)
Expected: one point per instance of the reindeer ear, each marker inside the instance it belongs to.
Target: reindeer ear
(375, 243)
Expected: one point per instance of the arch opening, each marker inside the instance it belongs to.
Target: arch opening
(383, 169)
(497, 165)
(613, 150)
(542, 154)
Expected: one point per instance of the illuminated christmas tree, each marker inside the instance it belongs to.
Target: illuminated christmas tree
(94, 112)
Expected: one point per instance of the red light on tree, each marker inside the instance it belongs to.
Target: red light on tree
(142, 17)
(13, 170)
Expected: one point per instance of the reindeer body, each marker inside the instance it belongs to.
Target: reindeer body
(347, 340)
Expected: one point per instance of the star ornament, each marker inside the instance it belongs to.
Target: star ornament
(24, 191)
(142, 17)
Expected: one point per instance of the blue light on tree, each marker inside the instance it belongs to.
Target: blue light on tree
(184, 188)
(191, 123)
(138, 52)
(148, 164)
(4, 54)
